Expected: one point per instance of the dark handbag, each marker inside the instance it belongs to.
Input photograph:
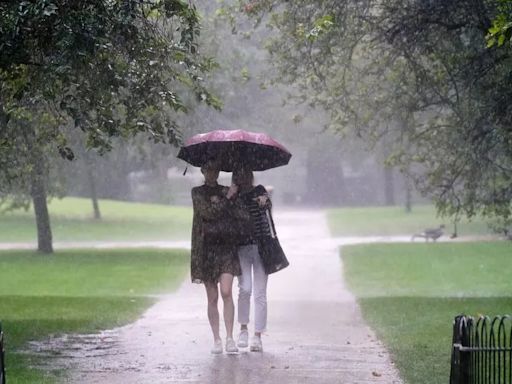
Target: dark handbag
(269, 248)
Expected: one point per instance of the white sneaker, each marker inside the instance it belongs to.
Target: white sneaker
(217, 347)
(243, 338)
(231, 346)
(256, 345)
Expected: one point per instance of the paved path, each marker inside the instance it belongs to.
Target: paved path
(316, 333)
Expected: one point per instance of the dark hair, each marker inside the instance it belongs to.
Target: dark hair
(244, 171)
(211, 163)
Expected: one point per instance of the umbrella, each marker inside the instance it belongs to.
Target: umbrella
(256, 151)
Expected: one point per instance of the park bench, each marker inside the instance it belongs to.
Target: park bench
(481, 350)
(2, 357)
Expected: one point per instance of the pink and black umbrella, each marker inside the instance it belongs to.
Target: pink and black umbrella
(231, 149)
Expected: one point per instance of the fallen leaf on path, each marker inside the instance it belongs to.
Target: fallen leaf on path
(376, 374)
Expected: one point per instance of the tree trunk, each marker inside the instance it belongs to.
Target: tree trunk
(92, 190)
(408, 195)
(39, 198)
(408, 200)
(389, 186)
(404, 123)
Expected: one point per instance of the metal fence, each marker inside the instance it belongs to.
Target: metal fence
(2, 357)
(482, 350)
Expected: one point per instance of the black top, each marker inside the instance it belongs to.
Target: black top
(259, 218)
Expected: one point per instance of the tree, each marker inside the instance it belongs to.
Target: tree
(253, 101)
(500, 33)
(416, 72)
(109, 69)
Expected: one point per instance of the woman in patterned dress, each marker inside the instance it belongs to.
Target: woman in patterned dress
(214, 258)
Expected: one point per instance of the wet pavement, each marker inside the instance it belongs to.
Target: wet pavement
(316, 333)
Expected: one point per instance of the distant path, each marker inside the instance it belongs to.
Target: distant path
(102, 244)
(185, 244)
(316, 332)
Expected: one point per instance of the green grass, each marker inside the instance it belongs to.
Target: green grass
(79, 291)
(381, 221)
(72, 220)
(410, 293)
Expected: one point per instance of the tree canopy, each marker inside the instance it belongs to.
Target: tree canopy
(107, 68)
(115, 68)
(419, 74)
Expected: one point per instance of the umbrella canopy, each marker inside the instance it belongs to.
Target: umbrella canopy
(232, 149)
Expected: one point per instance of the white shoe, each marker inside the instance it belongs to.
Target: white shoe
(243, 338)
(231, 346)
(256, 345)
(217, 347)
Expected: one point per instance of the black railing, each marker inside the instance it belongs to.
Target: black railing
(482, 350)
(2, 357)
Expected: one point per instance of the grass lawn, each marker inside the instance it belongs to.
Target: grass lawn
(79, 291)
(410, 293)
(71, 220)
(381, 221)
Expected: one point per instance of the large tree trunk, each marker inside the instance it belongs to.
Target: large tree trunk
(39, 198)
(92, 190)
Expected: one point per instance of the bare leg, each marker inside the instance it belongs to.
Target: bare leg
(226, 290)
(212, 292)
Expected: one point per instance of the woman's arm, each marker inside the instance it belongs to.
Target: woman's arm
(262, 197)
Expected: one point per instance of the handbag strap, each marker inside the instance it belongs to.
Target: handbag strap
(270, 220)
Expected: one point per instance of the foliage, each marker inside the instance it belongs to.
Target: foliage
(251, 101)
(500, 32)
(114, 68)
(417, 73)
(107, 68)
(84, 73)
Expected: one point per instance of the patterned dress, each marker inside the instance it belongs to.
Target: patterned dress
(210, 259)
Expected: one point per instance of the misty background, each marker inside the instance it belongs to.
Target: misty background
(326, 169)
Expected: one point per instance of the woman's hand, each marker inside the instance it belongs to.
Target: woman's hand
(232, 191)
(215, 199)
(261, 200)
